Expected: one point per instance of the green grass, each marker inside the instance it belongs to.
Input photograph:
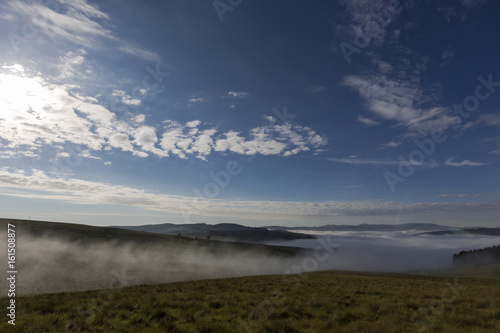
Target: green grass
(315, 302)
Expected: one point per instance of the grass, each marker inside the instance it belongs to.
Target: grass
(314, 302)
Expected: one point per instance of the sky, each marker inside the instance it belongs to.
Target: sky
(259, 113)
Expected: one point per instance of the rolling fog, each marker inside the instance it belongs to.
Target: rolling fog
(393, 251)
(51, 265)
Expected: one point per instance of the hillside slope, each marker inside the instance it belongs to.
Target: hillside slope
(54, 257)
(477, 257)
(85, 234)
(315, 302)
(221, 231)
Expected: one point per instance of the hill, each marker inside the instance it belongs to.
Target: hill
(85, 234)
(477, 257)
(55, 257)
(222, 231)
(314, 302)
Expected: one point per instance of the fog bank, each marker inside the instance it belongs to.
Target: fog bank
(47, 264)
(393, 251)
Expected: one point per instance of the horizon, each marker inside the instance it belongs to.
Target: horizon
(251, 226)
(344, 113)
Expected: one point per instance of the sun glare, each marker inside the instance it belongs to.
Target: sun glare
(20, 94)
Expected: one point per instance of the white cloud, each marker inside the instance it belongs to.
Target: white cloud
(263, 144)
(117, 140)
(178, 138)
(88, 154)
(140, 118)
(37, 184)
(472, 195)
(393, 90)
(463, 163)
(71, 63)
(285, 140)
(381, 162)
(238, 94)
(81, 7)
(17, 153)
(204, 143)
(368, 121)
(194, 123)
(63, 154)
(393, 144)
(388, 98)
(490, 119)
(195, 100)
(36, 113)
(73, 21)
(359, 161)
(140, 53)
(145, 137)
(400, 101)
(16, 68)
(127, 99)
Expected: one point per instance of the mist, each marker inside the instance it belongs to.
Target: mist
(48, 264)
(392, 251)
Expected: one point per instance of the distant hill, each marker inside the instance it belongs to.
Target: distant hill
(472, 258)
(368, 227)
(222, 231)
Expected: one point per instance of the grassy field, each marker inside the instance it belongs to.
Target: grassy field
(314, 302)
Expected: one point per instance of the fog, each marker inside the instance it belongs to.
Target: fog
(51, 265)
(393, 251)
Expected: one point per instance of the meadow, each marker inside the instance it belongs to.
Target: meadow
(334, 301)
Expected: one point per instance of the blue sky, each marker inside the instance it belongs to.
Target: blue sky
(330, 112)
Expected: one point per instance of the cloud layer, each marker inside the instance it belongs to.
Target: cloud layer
(36, 112)
(40, 185)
